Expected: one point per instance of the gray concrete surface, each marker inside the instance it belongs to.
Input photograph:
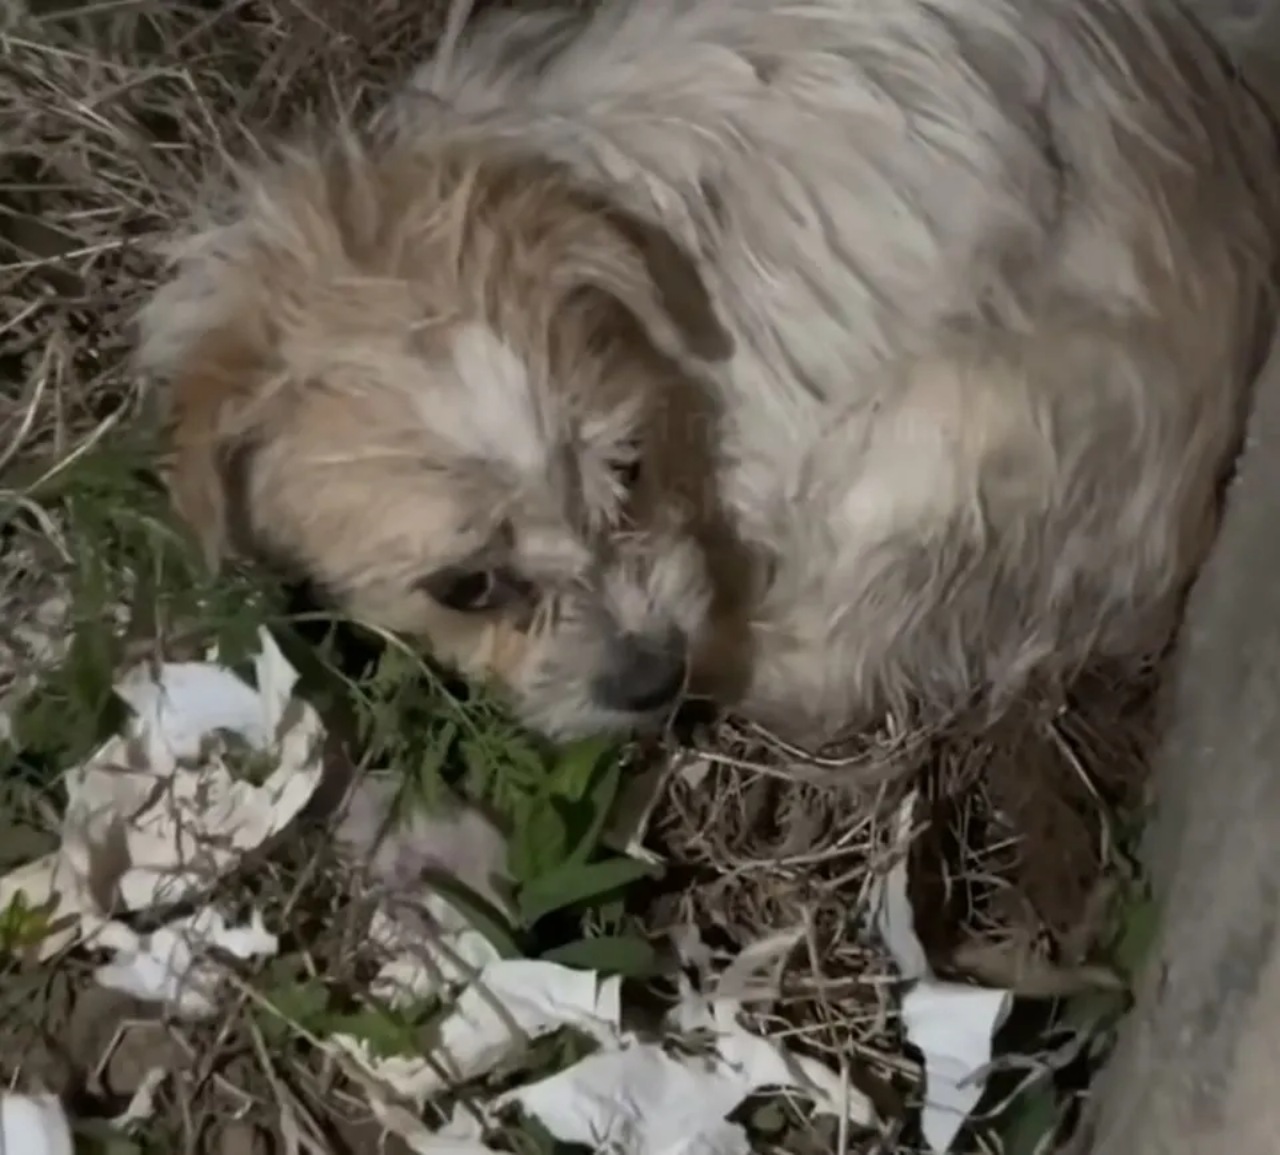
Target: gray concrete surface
(1198, 1068)
(1197, 1071)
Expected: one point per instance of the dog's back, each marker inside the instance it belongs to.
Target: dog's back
(997, 274)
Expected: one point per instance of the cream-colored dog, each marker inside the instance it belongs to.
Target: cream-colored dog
(822, 357)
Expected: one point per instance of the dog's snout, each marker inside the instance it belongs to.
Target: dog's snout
(644, 673)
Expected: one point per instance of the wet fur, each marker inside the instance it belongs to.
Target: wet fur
(930, 325)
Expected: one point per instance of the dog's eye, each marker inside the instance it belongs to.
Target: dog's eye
(627, 472)
(458, 589)
(471, 591)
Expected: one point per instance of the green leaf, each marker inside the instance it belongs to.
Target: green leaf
(1030, 1121)
(628, 955)
(522, 765)
(598, 803)
(573, 883)
(386, 1032)
(425, 788)
(74, 708)
(91, 661)
(576, 768)
(394, 668)
(483, 915)
(541, 841)
(23, 924)
(480, 768)
(298, 1003)
(99, 1137)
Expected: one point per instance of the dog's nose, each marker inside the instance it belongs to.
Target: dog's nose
(644, 673)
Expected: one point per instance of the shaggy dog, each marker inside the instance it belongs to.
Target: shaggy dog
(821, 357)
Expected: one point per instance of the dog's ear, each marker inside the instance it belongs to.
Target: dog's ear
(210, 459)
(207, 367)
(652, 275)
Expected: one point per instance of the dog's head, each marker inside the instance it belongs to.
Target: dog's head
(446, 390)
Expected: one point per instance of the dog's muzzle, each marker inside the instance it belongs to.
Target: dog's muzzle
(643, 674)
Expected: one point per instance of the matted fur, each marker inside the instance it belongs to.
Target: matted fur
(929, 325)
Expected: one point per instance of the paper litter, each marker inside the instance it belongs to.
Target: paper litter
(156, 815)
(952, 1024)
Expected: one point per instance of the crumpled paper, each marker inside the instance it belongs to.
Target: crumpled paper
(456, 953)
(463, 1134)
(172, 965)
(635, 1096)
(644, 1098)
(165, 787)
(510, 1004)
(34, 1125)
(157, 816)
(952, 1024)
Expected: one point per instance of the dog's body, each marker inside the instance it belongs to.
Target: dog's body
(929, 325)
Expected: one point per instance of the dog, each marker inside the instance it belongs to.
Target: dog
(821, 359)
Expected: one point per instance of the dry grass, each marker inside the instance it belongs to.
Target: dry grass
(113, 113)
(1017, 854)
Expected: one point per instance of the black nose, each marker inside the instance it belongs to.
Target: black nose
(644, 673)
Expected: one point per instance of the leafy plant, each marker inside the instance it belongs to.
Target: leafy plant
(628, 955)
(555, 803)
(573, 884)
(135, 579)
(294, 1003)
(23, 925)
